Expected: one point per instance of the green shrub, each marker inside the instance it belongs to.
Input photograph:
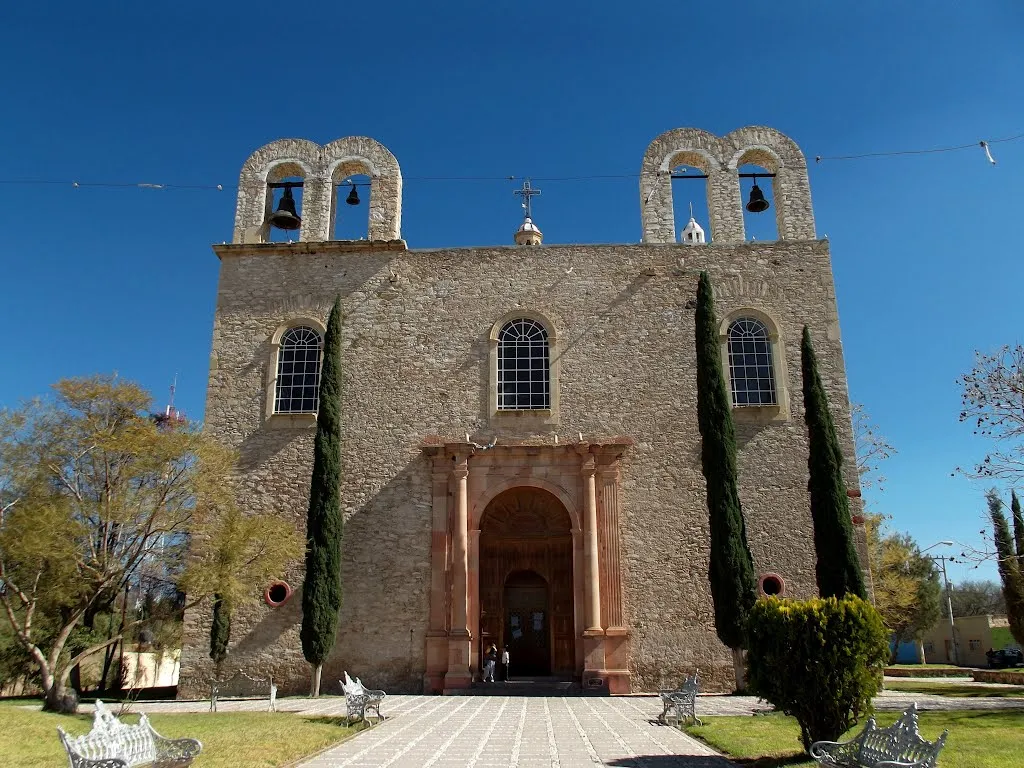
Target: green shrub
(818, 660)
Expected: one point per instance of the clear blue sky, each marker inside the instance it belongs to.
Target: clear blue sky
(926, 249)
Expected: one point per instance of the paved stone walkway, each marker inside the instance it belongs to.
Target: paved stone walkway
(493, 731)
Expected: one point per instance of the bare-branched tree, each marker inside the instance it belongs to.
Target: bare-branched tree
(993, 404)
(871, 446)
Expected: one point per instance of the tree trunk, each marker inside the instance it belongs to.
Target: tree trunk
(60, 699)
(76, 678)
(314, 689)
(108, 661)
(739, 669)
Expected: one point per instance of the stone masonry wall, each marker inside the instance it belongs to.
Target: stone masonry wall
(415, 357)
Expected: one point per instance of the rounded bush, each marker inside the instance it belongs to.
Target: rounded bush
(818, 660)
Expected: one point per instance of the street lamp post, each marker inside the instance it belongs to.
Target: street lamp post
(949, 595)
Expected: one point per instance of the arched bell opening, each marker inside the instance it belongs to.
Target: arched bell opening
(526, 583)
(282, 219)
(351, 207)
(690, 204)
(757, 191)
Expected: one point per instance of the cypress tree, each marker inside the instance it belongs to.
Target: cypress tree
(1018, 528)
(1009, 562)
(731, 570)
(321, 590)
(838, 568)
(220, 630)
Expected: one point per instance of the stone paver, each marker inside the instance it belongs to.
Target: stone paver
(493, 731)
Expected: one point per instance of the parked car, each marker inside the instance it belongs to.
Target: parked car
(1007, 657)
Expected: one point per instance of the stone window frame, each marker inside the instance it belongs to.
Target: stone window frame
(533, 417)
(277, 583)
(758, 413)
(287, 419)
(776, 577)
(755, 331)
(524, 342)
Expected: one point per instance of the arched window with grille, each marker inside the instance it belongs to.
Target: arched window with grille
(297, 387)
(524, 373)
(751, 368)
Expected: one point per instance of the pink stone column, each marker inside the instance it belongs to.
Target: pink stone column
(616, 635)
(593, 635)
(459, 641)
(591, 579)
(437, 631)
(460, 552)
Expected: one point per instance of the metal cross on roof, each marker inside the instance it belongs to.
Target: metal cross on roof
(527, 192)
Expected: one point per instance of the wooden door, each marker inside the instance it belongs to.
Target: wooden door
(527, 624)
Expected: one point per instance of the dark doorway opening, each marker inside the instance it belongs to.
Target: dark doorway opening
(526, 568)
(528, 624)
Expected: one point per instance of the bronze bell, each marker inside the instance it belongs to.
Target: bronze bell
(353, 196)
(285, 216)
(757, 203)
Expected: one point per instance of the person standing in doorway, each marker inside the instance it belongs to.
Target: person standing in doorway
(504, 664)
(490, 659)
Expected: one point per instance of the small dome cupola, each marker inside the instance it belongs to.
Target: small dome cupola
(528, 232)
(692, 233)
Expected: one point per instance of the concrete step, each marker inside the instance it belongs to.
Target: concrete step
(543, 686)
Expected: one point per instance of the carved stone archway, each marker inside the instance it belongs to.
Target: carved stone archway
(581, 483)
(524, 531)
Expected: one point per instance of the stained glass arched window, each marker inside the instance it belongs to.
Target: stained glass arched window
(297, 389)
(751, 370)
(524, 378)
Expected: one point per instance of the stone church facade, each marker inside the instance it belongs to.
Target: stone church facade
(521, 459)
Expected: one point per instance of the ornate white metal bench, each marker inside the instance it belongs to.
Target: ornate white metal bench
(241, 684)
(113, 744)
(359, 699)
(679, 705)
(898, 746)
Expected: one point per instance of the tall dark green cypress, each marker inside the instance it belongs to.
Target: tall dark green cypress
(321, 590)
(220, 630)
(731, 571)
(838, 568)
(1011, 572)
(1018, 528)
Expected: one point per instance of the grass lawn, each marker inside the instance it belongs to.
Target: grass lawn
(956, 689)
(926, 670)
(28, 738)
(936, 667)
(977, 739)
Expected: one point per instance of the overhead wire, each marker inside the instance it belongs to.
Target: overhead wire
(984, 144)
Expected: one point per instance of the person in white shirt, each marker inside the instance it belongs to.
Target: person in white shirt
(504, 664)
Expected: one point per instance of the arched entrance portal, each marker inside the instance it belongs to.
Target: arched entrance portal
(526, 587)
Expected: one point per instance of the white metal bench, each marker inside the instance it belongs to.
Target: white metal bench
(113, 744)
(679, 704)
(898, 746)
(359, 699)
(234, 685)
